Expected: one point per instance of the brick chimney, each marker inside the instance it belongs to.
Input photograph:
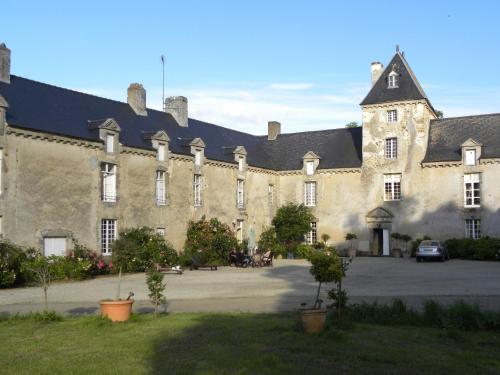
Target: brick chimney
(136, 98)
(377, 69)
(273, 130)
(177, 106)
(4, 63)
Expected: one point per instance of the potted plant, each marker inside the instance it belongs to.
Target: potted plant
(350, 237)
(118, 310)
(325, 267)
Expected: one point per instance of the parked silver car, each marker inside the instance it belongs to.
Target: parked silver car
(431, 249)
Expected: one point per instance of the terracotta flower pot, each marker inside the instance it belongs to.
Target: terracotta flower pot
(117, 311)
(351, 253)
(313, 320)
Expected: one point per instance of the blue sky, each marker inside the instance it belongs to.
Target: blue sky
(303, 63)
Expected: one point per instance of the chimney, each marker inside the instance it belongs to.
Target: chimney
(4, 63)
(177, 106)
(136, 98)
(377, 69)
(273, 130)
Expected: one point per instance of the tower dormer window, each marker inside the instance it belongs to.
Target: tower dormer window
(161, 152)
(110, 143)
(393, 80)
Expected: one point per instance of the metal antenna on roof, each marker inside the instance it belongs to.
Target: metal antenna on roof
(397, 47)
(162, 59)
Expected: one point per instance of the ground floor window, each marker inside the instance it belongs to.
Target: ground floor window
(239, 230)
(54, 246)
(473, 228)
(108, 235)
(312, 235)
(160, 232)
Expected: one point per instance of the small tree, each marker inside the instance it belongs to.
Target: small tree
(156, 287)
(339, 295)
(40, 268)
(405, 238)
(396, 237)
(326, 267)
(350, 237)
(325, 237)
(352, 124)
(291, 222)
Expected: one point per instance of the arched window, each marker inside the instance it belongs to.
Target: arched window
(393, 80)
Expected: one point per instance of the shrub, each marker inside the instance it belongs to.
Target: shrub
(209, 241)
(156, 287)
(291, 222)
(485, 248)
(303, 251)
(12, 258)
(268, 241)
(326, 267)
(138, 249)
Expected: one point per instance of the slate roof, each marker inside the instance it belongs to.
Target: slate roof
(447, 135)
(408, 89)
(45, 108)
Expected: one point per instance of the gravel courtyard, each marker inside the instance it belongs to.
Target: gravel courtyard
(282, 287)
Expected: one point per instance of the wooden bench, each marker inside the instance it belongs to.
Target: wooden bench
(178, 271)
(212, 267)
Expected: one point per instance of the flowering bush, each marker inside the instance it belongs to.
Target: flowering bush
(12, 258)
(209, 241)
(138, 249)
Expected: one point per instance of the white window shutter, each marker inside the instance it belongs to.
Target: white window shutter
(54, 246)
(310, 168)
(110, 143)
(470, 157)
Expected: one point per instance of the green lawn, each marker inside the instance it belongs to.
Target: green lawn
(238, 344)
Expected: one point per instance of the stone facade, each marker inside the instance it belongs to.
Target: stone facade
(52, 184)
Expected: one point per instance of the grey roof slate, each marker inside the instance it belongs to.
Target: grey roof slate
(447, 135)
(408, 89)
(45, 108)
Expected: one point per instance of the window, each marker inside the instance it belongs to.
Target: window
(312, 235)
(240, 194)
(240, 163)
(270, 194)
(197, 190)
(472, 190)
(310, 194)
(393, 80)
(392, 116)
(310, 168)
(110, 143)
(392, 187)
(160, 187)
(54, 246)
(197, 158)
(473, 228)
(470, 157)
(391, 148)
(161, 152)
(1, 169)
(160, 232)
(239, 230)
(108, 182)
(108, 235)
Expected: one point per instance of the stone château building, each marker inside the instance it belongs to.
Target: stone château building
(73, 164)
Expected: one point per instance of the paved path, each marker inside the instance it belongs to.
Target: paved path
(282, 287)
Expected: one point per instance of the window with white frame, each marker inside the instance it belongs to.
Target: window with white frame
(160, 232)
(241, 161)
(108, 171)
(54, 246)
(240, 193)
(108, 235)
(270, 194)
(239, 230)
(472, 190)
(197, 158)
(197, 190)
(160, 187)
(391, 148)
(161, 152)
(392, 115)
(110, 143)
(312, 235)
(470, 157)
(473, 228)
(393, 80)
(310, 193)
(310, 168)
(392, 187)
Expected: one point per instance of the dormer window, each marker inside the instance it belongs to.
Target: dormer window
(310, 168)
(161, 152)
(393, 80)
(470, 157)
(240, 163)
(392, 116)
(197, 158)
(110, 143)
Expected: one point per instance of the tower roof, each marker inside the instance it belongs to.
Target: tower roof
(408, 87)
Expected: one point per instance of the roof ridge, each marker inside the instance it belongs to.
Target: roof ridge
(314, 131)
(467, 116)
